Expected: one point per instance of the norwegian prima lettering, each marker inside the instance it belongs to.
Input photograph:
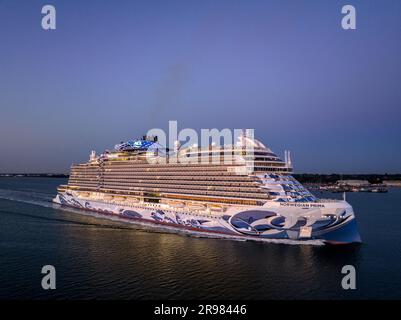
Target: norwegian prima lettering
(306, 205)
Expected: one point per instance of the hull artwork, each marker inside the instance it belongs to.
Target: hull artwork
(252, 223)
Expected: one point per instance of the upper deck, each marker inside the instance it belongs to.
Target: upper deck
(231, 174)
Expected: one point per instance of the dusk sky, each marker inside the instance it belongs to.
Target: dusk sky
(112, 70)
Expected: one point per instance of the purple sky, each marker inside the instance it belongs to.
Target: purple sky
(115, 69)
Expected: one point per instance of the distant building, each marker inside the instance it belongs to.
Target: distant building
(392, 183)
(353, 183)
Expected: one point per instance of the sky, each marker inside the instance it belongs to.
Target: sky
(112, 70)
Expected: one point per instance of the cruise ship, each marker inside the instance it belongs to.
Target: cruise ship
(243, 190)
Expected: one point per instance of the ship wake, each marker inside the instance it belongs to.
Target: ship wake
(29, 197)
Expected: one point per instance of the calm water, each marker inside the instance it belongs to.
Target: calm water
(97, 258)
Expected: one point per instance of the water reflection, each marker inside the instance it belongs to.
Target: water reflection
(107, 259)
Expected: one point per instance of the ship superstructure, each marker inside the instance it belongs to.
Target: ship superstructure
(243, 190)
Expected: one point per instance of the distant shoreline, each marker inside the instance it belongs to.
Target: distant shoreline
(33, 175)
(302, 177)
(333, 178)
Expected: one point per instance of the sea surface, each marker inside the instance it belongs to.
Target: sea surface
(97, 258)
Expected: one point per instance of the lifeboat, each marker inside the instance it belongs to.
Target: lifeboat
(216, 207)
(177, 204)
(120, 198)
(108, 197)
(196, 206)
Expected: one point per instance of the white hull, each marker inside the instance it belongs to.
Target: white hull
(329, 222)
